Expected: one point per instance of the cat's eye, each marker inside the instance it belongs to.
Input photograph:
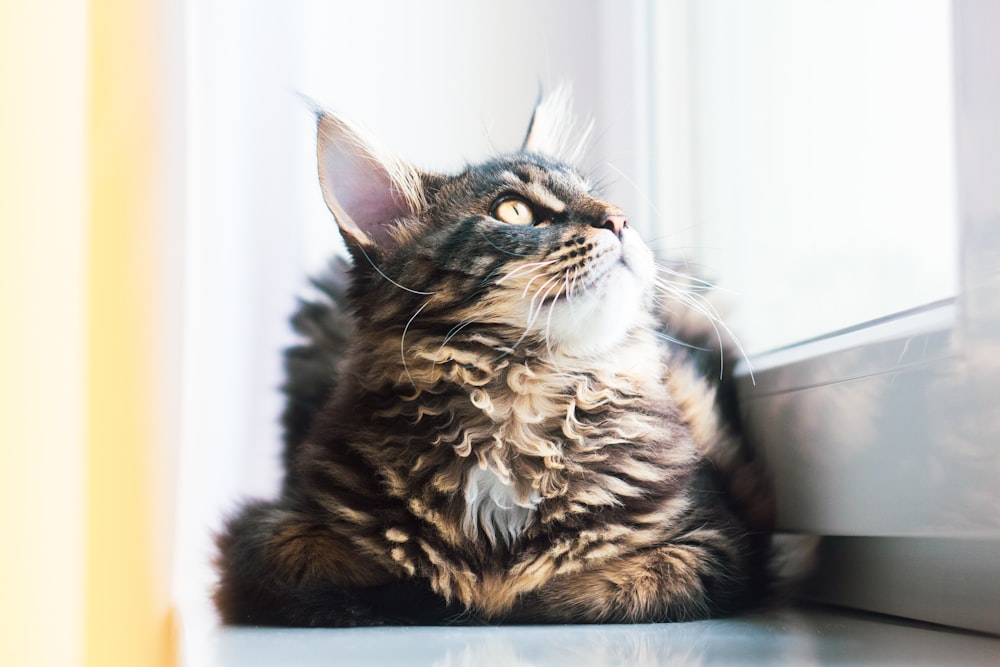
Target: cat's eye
(513, 211)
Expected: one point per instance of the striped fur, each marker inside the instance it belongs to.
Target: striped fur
(505, 438)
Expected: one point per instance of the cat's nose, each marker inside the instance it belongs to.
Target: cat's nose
(614, 222)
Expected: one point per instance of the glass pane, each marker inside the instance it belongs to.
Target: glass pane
(823, 160)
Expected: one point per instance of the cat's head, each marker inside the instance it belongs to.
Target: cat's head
(518, 250)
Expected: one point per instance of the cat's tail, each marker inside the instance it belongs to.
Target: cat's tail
(791, 562)
(311, 366)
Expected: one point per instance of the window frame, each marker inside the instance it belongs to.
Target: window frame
(808, 404)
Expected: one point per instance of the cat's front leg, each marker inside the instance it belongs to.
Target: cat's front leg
(282, 565)
(667, 583)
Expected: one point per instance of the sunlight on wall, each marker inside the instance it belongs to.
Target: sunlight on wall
(133, 348)
(42, 103)
(85, 347)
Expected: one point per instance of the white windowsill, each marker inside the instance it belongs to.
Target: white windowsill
(812, 636)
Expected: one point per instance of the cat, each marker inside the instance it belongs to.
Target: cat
(489, 419)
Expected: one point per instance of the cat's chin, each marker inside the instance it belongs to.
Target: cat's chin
(600, 322)
(601, 319)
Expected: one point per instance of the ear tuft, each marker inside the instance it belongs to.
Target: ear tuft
(552, 131)
(368, 190)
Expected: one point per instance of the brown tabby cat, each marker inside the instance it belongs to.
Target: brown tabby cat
(489, 426)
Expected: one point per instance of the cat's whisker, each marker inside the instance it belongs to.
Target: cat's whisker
(698, 303)
(635, 187)
(534, 312)
(512, 348)
(677, 341)
(694, 302)
(513, 273)
(687, 281)
(685, 286)
(516, 271)
(524, 334)
(567, 293)
(692, 298)
(382, 273)
(454, 331)
(548, 282)
(524, 293)
(687, 277)
(674, 285)
(402, 341)
(548, 326)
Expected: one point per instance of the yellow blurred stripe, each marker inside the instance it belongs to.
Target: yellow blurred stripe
(42, 299)
(129, 475)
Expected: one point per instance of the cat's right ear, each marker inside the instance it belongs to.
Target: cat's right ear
(553, 128)
(368, 190)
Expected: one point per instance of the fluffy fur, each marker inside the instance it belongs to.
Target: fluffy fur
(490, 424)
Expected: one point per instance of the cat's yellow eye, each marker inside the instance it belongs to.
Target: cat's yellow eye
(513, 211)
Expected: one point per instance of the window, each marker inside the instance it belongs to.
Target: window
(838, 154)
(822, 161)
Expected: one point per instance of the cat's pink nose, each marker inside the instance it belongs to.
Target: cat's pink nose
(614, 222)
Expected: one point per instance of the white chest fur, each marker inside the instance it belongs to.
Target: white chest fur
(493, 506)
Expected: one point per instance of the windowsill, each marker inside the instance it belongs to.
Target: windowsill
(813, 636)
(876, 438)
(925, 321)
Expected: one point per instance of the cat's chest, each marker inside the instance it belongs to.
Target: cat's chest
(546, 466)
(538, 441)
(495, 508)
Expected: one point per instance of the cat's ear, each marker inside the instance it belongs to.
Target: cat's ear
(552, 130)
(367, 189)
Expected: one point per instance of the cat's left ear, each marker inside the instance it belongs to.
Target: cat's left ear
(367, 189)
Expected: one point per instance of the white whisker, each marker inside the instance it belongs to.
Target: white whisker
(576, 274)
(381, 273)
(532, 316)
(454, 331)
(519, 269)
(548, 282)
(524, 293)
(568, 293)
(687, 277)
(635, 186)
(677, 341)
(402, 341)
(548, 325)
(698, 303)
